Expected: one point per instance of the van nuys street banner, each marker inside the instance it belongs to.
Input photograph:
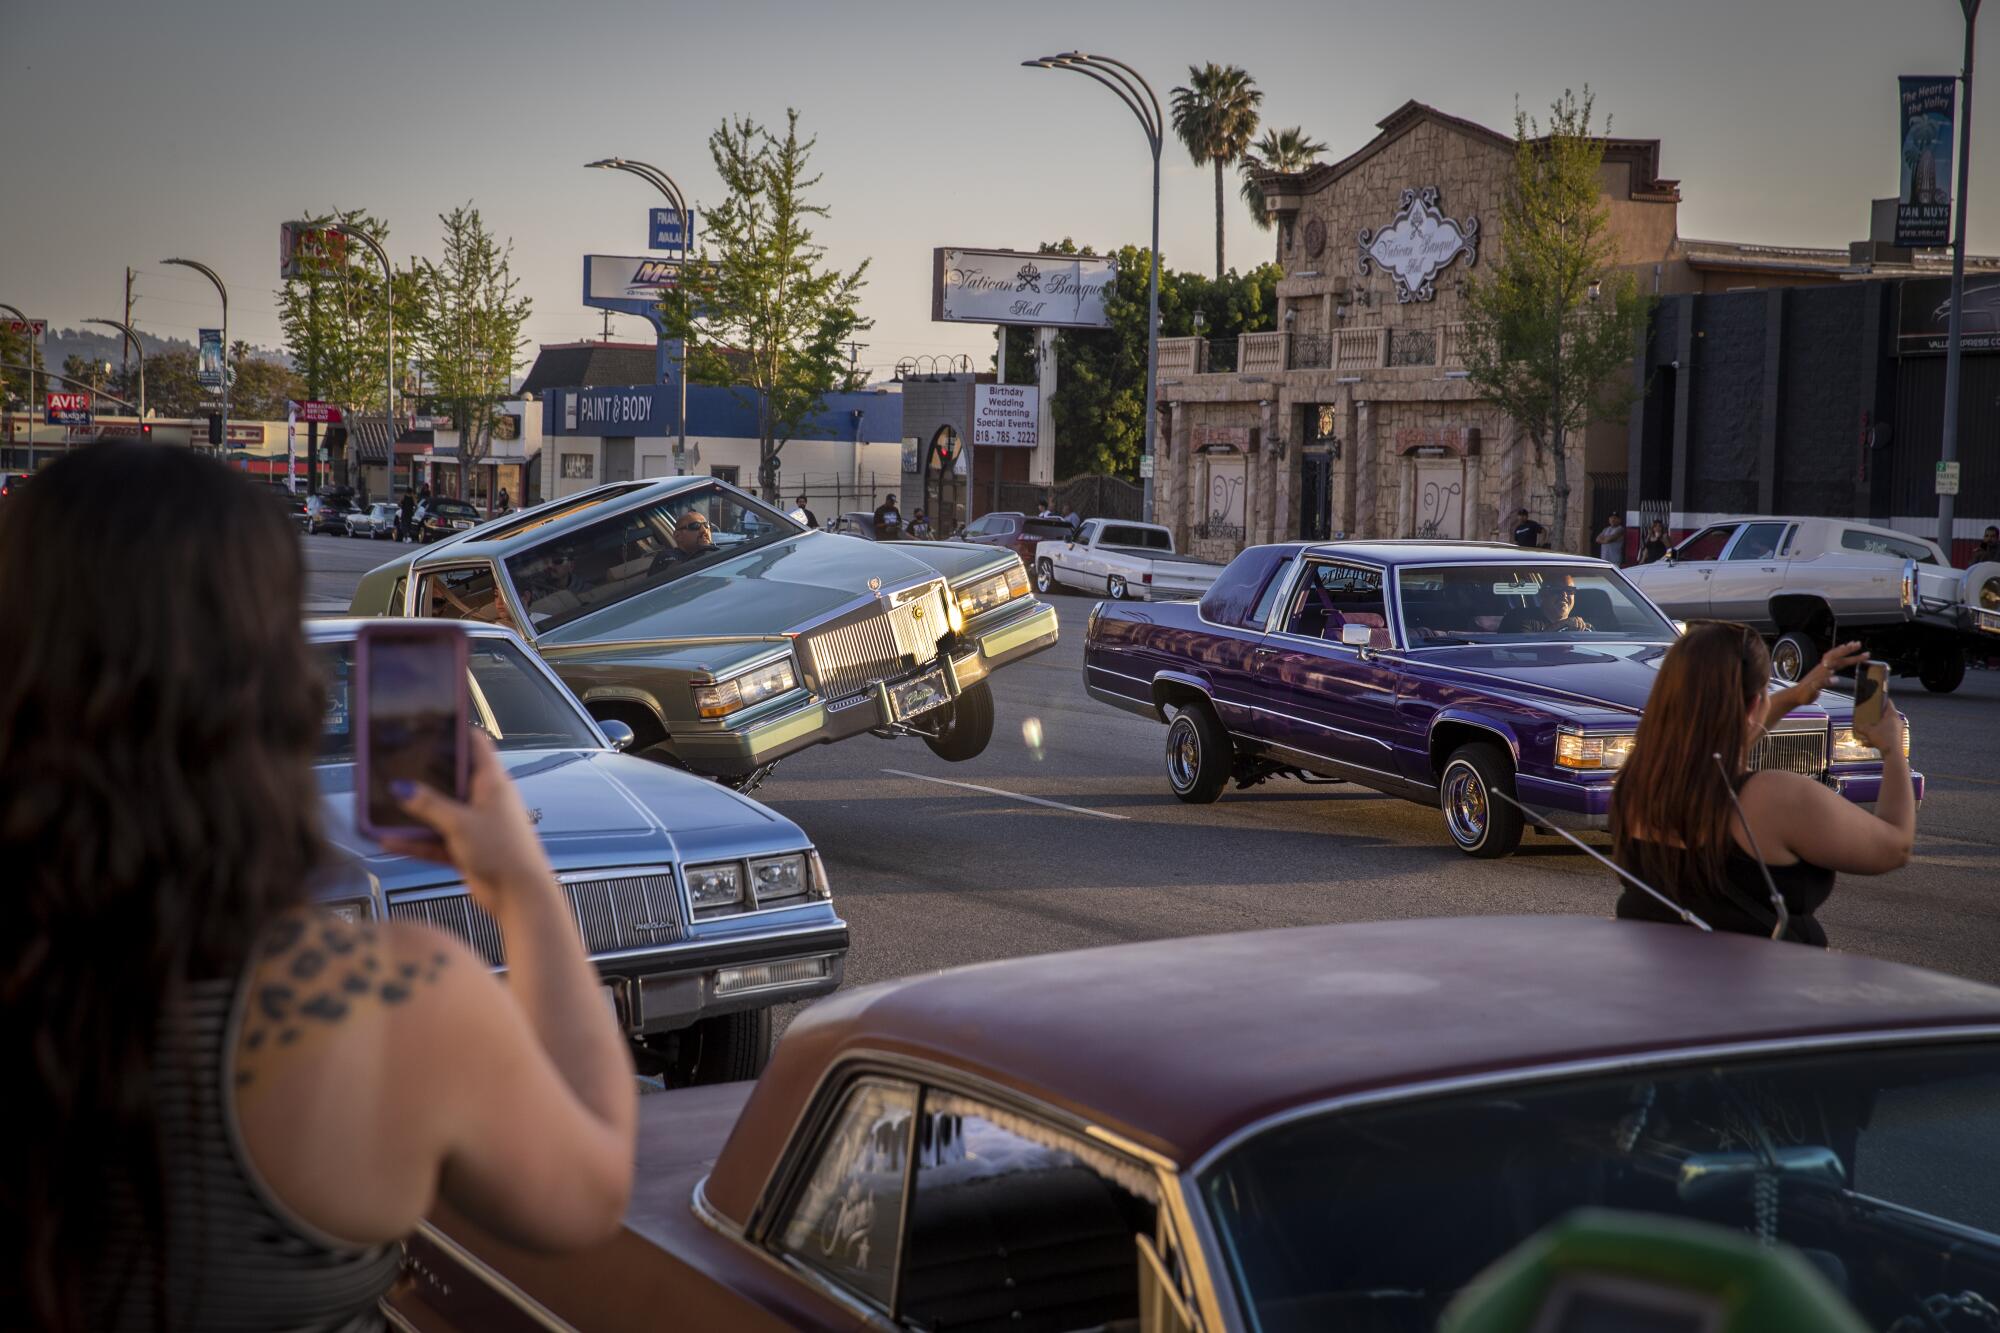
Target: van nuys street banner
(1923, 205)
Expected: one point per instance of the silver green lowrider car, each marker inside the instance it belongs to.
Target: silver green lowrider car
(726, 635)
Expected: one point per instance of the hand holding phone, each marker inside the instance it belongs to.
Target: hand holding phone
(1875, 721)
(411, 708)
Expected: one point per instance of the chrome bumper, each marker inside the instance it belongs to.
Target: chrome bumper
(989, 643)
(675, 987)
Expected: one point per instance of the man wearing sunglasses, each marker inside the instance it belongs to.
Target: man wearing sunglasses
(694, 535)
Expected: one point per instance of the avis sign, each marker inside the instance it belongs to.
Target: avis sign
(68, 409)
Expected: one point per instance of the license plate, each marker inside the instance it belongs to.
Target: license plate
(918, 696)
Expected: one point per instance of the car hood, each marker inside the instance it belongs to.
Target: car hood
(755, 595)
(593, 809)
(1607, 679)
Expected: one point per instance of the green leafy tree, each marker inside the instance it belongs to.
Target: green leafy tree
(262, 387)
(468, 327)
(763, 312)
(1215, 115)
(18, 351)
(1289, 149)
(1551, 328)
(1099, 406)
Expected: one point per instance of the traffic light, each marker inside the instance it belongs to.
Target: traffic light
(145, 430)
(215, 428)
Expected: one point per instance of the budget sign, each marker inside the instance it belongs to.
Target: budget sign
(68, 409)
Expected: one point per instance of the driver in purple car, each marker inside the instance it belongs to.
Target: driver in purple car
(1553, 612)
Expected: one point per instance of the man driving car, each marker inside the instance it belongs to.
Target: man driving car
(1553, 611)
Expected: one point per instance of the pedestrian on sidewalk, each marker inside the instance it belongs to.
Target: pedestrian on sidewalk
(1695, 829)
(802, 513)
(1611, 540)
(1527, 532)
(406, 520)
(1989, 546)
(227, 1106)
(1654, 547)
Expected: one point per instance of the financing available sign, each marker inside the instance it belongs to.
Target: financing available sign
(1014, 287)
(634, 284)
(1005, 415)
(67, 409)
(1923, 205)
(663, 231)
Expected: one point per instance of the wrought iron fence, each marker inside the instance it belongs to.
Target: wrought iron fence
(1219, 531)
(1221, 357)
(1091, 496)
(1310, 351)
(1413, 347)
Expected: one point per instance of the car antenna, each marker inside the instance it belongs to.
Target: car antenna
(1777, 899)
(1686, 916)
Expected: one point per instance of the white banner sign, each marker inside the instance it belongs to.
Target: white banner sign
(1013, 287)
(1005, 414)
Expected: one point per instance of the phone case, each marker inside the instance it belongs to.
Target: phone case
(1871, 694)
(364, 643)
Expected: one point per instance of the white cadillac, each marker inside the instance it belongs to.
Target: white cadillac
(1808, 583)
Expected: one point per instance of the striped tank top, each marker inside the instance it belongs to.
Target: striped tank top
(236, 1258)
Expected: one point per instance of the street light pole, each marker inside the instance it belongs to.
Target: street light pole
(223, 292)
(1132, 89)
(666, 185)
(389, 310)
(1954, 345)
(15, 311)
(138, 351)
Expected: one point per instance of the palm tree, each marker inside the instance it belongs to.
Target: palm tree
(1279, 150)
(1216, 117)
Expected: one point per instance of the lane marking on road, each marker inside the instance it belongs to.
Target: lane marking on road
(1962, 777)
(1010, 795)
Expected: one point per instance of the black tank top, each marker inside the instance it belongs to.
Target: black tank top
(236, 1258)
(1746, 907)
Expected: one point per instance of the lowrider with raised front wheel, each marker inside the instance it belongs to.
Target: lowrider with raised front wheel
(1454, 674)
(725, 634)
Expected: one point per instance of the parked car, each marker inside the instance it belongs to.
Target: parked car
(725, 634)
(1018, 532)
(331, 517)
(700, 907)
(11, 483)
(1120, 560)
(378, 520)
(859, 523)
(1809, 583)
(1414, 669)
(443, 517)
(1332, 1127)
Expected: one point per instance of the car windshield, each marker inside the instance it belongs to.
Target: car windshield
(1524, 600)
(1048, 529)
(456, 508)
(575, 573)
(1877, 1163)
(512, 701)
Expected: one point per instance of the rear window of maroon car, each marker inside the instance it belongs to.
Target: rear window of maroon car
(1237, 589)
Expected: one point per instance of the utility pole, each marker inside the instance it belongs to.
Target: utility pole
(1954, 343)
(607, 327)
(124, 360)
(854, 351)
(312, 389)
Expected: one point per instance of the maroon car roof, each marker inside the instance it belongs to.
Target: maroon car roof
(1178, 1044)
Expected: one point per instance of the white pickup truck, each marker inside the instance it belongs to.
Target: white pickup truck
(1121, 560)
(1808, 583)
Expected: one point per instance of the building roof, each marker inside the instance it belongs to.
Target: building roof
(1746, 257)
(587, 364)
(368, 437)
(1179, 1045)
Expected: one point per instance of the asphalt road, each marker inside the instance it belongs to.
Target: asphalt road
(1064, 835)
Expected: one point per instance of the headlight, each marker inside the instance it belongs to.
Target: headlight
(716, 890)
(746, 688)
(1849, 748)
(982, 595)
(1576, 750)
(776, 878)
(353, 911)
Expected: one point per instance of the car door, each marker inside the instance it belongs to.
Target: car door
(1073, 556)
(1751, 571)
(1324, 698)
(1679, 583)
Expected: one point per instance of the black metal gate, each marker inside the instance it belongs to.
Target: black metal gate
(1316, 495)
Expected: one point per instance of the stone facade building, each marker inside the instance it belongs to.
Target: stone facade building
(1355, 417)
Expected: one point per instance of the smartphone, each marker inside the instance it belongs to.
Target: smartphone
(411, 711)
(1871, 693)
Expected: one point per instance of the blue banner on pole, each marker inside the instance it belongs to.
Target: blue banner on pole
(210, 372)
(1923, 204)
(665, 231)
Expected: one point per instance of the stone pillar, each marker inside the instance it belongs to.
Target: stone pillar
(1343, 472)
(1043, 464)
(1367, 467)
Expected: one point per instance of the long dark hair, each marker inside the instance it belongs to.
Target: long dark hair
(1671, 809)
(159, 715)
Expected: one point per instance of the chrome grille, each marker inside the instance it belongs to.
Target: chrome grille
(1792, 752)
(609, 914)
(885, 643)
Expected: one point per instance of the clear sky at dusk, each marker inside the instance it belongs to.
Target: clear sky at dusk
(131, 130)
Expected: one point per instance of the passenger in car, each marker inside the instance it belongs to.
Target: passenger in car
(1553, 613)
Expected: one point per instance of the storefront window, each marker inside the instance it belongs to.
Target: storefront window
(578, 467)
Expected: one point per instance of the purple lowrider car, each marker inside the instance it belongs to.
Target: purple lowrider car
(1441, 672)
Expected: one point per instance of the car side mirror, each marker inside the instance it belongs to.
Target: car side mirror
(1356, 636)
(620, 734)
(1670, 557)
(1680, 627)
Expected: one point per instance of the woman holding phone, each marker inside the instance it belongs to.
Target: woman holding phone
(1695, 828)
(228, 1107)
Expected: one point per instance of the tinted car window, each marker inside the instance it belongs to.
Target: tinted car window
(512, 701)
(453, 509)
(572, 574)
(1332, 596)
(1337, 1220)
(1123, 534)
(1875, 543)
(1047, 529)
(1493, 603)
(1015, 1226)
(1706, 544)
(469, 593)
(1758, 542)
(846, 1220)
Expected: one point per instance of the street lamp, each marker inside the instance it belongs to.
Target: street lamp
(389, 309)
(1132, 89)
(1954, 346)
(131, 336)
(223, 292)
(666, 185)
(15, 311)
